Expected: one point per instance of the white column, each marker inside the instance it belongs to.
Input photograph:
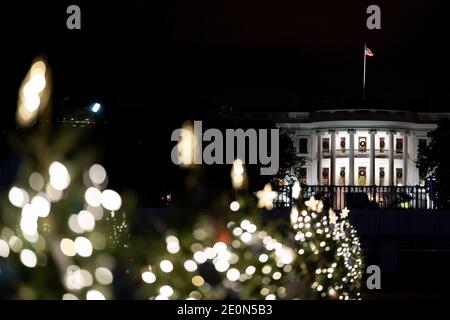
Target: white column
(372, 156)
(319, 158)
(333, 158)
(405, 158)
(391, 157)
(351, 153)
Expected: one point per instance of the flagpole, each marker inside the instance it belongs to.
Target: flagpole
(364, 74)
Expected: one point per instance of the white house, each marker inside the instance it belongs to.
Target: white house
(357, 147)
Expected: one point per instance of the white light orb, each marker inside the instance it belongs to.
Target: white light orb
(73, 224)
(246, 237)
(233, 274)
(37, 82)
(28, 221)
(41, 206)
(94, 295)
(148, 277)
(97, 174)
(93, 196)
(234, 206)
(200, 257)
(86, 279)
(53, 194)
(59, 176)
(31, 99)
(68, 247)
(111, 200)
(28, 258)
(69, 296)
(220, 247)
(166, 291)
(190, 265)
(36, 181)
(83, 247)
(166, 266)
(4, 249)
(221, 265)
(97, 212)
(250, 270)
(104, 276)
(86, 220)
(15, 244)
(18, 197)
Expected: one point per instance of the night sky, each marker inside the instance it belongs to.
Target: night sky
(154, 63)
(248, 55)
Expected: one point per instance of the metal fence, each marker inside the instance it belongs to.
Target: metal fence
(362, 197)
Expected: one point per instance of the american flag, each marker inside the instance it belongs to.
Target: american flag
(368, 52)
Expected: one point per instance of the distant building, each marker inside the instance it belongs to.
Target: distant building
(360, 147)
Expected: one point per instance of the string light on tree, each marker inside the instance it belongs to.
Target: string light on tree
(266, 197)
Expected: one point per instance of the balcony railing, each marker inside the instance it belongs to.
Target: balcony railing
(363, 197)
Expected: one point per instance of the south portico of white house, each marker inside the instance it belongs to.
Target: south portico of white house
(360, 147)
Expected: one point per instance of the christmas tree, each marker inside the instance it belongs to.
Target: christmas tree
(65, 234)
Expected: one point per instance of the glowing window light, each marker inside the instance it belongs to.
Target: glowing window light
(28, 258)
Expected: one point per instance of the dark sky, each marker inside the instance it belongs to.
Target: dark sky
(248, 55)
